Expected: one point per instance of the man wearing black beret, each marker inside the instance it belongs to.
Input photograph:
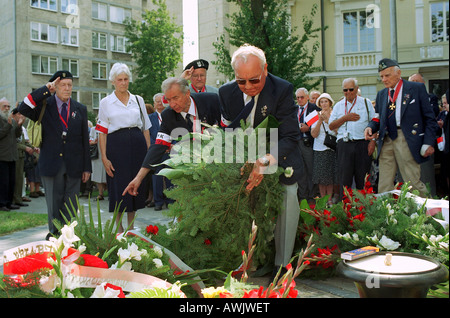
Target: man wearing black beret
(64, 159)
(406, 125)
(196, 73)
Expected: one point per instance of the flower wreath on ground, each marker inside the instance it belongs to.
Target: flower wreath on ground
(92, 261)
(395, 221)
(213, 211)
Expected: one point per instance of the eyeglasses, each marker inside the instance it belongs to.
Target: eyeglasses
(251, 81)
(348, 89)
(301, 97)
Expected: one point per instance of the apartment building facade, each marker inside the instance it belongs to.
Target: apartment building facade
(87, 37)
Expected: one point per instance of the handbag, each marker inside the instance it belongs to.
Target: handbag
(330, 141)
(93, 151)
(34, 128)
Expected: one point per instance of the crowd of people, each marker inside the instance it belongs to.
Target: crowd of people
(391, 139)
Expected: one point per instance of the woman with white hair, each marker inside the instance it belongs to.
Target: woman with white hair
(124, 139)
(324, 157)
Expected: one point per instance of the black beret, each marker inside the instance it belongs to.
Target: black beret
(386, 63)
(61, 75)
(197, 64)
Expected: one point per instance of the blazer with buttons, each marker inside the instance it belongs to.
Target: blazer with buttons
(417, 119)
(276, 99)
(73, 150)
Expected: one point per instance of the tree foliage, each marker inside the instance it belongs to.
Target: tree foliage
(155, 43)
(267, 25)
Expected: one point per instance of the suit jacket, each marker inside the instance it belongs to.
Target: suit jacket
(208, 112)
(74, 149)
(154, 120)
(417, 121)
(275, 99)
(311, 107)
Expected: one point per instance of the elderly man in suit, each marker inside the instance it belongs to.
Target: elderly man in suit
(253, 96)
(406, 125)
(186, 113)
(306, 187)
(64, 159)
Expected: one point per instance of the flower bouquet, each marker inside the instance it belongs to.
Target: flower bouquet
(93, 261)
(213, 211)
(390, 221)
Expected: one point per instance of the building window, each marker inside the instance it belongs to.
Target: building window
(99, 40)
(118, 43)
(69, 36)
(358, 37)
(46, 65)
(118, 15)
(71, 65)
(96, 98)
(99, 70)
(44, 4)
(69, 6)
(439, 21)
(44, 32)
(99, 11)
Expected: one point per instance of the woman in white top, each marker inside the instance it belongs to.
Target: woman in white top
(124, 139)
(324, 157)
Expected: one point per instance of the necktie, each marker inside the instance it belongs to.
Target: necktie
(188, 122)
(243, 114)
(391, 122)
(64, 115)
(300, 117)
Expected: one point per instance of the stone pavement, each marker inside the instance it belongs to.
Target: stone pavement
(336, 287)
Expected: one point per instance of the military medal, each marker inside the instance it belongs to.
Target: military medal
(394, 99)
(264, 111)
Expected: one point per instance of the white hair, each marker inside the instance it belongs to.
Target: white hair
(117, 69)
(181, 82)
(244, 51)
(156, 95)
(302, 89)
(350, 79)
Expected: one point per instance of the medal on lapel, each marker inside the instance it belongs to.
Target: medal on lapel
(264, 111)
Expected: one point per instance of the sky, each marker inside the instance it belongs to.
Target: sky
(190, 30)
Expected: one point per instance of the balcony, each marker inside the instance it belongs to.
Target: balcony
(350, 61)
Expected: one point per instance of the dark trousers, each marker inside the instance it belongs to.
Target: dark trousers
(353, 163)
(7, 182)
(59, 191)
(159, 183)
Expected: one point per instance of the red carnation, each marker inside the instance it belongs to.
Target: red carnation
(92, 261)
(207, 241)
(152, 229)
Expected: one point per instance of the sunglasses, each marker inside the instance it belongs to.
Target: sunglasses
(348, 89)
(251, 81)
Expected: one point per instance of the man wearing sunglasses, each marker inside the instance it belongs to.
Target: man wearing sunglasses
(350, 116)
(254, 95)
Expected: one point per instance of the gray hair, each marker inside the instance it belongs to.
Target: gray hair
(243, 53)
(117, 69)
(350, 79)
(156, 95)
(181, 82)
(3, 99)
(302, 89)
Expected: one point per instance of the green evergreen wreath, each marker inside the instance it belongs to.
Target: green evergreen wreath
(213, 210)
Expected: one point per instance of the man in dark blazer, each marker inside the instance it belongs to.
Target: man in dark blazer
(306, 187)
(186, 113)
(406, 125)
(158, 181)
(64, 159)
(270, 95)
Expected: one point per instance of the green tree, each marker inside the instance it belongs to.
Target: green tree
(155, 43)
(267, 25)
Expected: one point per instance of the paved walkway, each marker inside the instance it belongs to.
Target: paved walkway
(336, 287)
